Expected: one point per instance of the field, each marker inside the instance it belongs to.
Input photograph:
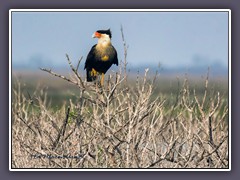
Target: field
(134, 121)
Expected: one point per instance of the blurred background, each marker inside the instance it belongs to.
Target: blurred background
(174, 40)
(174, 43)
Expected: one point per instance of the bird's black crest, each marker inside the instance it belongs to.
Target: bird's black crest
(108, 32)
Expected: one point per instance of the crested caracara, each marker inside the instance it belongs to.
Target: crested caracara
(101, 56)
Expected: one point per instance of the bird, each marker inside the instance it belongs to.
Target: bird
(101, 56)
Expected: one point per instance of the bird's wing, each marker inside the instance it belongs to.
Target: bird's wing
(115, 58)
(90, 57)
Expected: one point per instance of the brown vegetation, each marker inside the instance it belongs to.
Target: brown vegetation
(120, 125)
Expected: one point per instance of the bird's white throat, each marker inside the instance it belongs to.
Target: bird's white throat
(103, 42)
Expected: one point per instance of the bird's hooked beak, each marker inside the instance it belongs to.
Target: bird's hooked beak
(96, 35)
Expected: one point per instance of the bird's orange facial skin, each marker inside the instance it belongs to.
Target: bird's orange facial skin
(97, 35)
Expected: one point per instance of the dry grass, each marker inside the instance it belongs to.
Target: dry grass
(120, 125)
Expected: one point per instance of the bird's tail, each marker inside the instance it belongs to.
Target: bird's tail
(91, 75)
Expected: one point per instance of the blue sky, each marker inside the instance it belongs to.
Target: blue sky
(171, 38)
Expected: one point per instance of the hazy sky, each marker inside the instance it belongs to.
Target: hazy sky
(171, 38)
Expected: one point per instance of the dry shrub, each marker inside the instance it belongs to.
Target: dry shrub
(120, 125)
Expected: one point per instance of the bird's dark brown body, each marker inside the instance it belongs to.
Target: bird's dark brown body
(101, 56)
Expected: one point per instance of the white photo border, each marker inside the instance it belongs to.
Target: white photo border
(117, 10)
